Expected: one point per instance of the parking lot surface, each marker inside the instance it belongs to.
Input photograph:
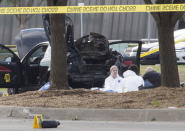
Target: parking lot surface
(26, 125)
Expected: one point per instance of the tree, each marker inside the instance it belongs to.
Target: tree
(58, 72)
(166, 22)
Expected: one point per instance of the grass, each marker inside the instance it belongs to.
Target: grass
(155, 103)
(3, 90)
(157, 68)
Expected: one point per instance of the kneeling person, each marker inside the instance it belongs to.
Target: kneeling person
(113, 81)
(131, 81)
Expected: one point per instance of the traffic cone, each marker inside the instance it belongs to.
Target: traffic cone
(37, 121)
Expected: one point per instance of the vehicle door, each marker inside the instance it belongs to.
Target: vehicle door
(31, 66)
(10, 68)
(124, 48)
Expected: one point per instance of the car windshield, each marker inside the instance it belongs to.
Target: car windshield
(124, 47)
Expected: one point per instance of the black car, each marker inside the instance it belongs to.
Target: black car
(19, 73)
(96, 56)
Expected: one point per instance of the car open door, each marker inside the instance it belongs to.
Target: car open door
(31, 67)
(10, 68)
(123, 47)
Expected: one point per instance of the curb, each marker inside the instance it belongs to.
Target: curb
(94, 114)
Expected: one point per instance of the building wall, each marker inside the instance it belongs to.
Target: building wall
(125, 26)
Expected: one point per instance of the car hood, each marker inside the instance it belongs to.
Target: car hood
(27, 39)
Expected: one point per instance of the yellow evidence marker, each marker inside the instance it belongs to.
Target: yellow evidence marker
(38, 118)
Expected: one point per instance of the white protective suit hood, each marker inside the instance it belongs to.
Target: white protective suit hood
(128, 73)
(131, 81)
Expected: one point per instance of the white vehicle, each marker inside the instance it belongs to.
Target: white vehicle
(180, 52)
(150, 52)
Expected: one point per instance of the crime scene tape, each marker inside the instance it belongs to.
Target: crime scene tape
(11, 46)
(94, 9)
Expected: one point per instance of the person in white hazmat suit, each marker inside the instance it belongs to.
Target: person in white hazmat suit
(131, 81)
(113, 81)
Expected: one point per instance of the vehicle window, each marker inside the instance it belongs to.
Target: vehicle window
(120, 47)
(124, 48)
(37, 55)
(6, 55)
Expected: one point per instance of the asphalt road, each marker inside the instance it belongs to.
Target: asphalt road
(26, 125)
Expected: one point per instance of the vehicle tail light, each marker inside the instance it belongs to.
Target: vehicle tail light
(128, 63)
(4, 69)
